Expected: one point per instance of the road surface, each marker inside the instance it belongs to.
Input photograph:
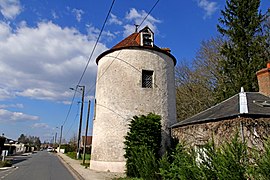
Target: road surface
(42, 165)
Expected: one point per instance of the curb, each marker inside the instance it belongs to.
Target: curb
(5, 168)
(70, 168)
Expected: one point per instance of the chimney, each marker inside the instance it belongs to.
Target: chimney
(263, 77)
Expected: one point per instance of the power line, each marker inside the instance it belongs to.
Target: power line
(69, 108)
(77, 114)
(148, 13)
(89, 59)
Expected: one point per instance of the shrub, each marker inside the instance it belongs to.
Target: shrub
(228, 161)
(143, 145)
(5, 163)
(262, 170)
(182, 166)
(68, 148)
(145, 162)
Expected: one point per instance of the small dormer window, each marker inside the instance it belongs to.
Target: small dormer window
(147, 37)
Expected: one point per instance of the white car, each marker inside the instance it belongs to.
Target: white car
(50, 149)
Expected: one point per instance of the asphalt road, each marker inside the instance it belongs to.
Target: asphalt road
(39, 166)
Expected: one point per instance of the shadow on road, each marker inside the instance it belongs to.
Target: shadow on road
(18, 159)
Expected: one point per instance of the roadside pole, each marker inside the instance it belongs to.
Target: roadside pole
(80, 125)
(86, 129)
(60, 141)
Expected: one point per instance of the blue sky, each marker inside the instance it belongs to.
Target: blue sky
(45, 45)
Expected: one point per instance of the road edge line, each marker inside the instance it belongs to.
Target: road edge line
(70, 168)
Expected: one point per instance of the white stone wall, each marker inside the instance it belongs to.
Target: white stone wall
(120, 96)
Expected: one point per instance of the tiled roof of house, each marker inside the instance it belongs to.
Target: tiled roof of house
(257, 105)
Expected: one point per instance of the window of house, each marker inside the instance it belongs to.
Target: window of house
(147, 78)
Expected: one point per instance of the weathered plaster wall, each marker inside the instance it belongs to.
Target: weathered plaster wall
(255, 131)
(119, 96)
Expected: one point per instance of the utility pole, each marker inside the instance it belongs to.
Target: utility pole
(60, 141)
(80, 125)
(86, 129)
(55, 139)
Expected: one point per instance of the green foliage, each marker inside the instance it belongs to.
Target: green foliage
(68, 148)
(143, 145)
(182, 166)
(262, 171)
(72, 155)
(5, 163)
(207, 162)
(244, 49)
(227, 162)
(145, 162)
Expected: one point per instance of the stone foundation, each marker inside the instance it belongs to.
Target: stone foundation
(108, 166)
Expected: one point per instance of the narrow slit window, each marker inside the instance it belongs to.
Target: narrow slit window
(147, 78)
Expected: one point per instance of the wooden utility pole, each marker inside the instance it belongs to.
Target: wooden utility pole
(86, 129)
(80, 124)
(60, 141)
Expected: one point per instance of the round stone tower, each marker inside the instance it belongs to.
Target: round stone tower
(135, 77)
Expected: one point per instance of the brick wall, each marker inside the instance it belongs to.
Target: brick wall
(264, 80)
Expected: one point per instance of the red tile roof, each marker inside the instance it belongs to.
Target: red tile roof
(132, 40)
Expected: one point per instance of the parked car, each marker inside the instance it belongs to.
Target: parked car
(50, 149)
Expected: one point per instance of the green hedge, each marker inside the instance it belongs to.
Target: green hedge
(142, 146)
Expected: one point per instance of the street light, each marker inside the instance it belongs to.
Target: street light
(80, 123)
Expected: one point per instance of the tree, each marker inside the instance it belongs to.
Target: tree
(23, 139)
(31, 140)
(266, 31)
(73, 142)
(244, 49)
(196, 83)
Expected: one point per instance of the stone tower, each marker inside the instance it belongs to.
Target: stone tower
(135, 77)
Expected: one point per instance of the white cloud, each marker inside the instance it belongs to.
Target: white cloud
(209, 7)
(6, 94)
(9, 116)
(40, 125)
(114, 20)
(93, 33)
(136, 17)
(43, 62)
(10, 8)
(78, 13)
(11, 106)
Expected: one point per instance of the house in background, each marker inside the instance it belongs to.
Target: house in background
(88, 141)
(14, 147)
(245, 112)
(2, 141)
